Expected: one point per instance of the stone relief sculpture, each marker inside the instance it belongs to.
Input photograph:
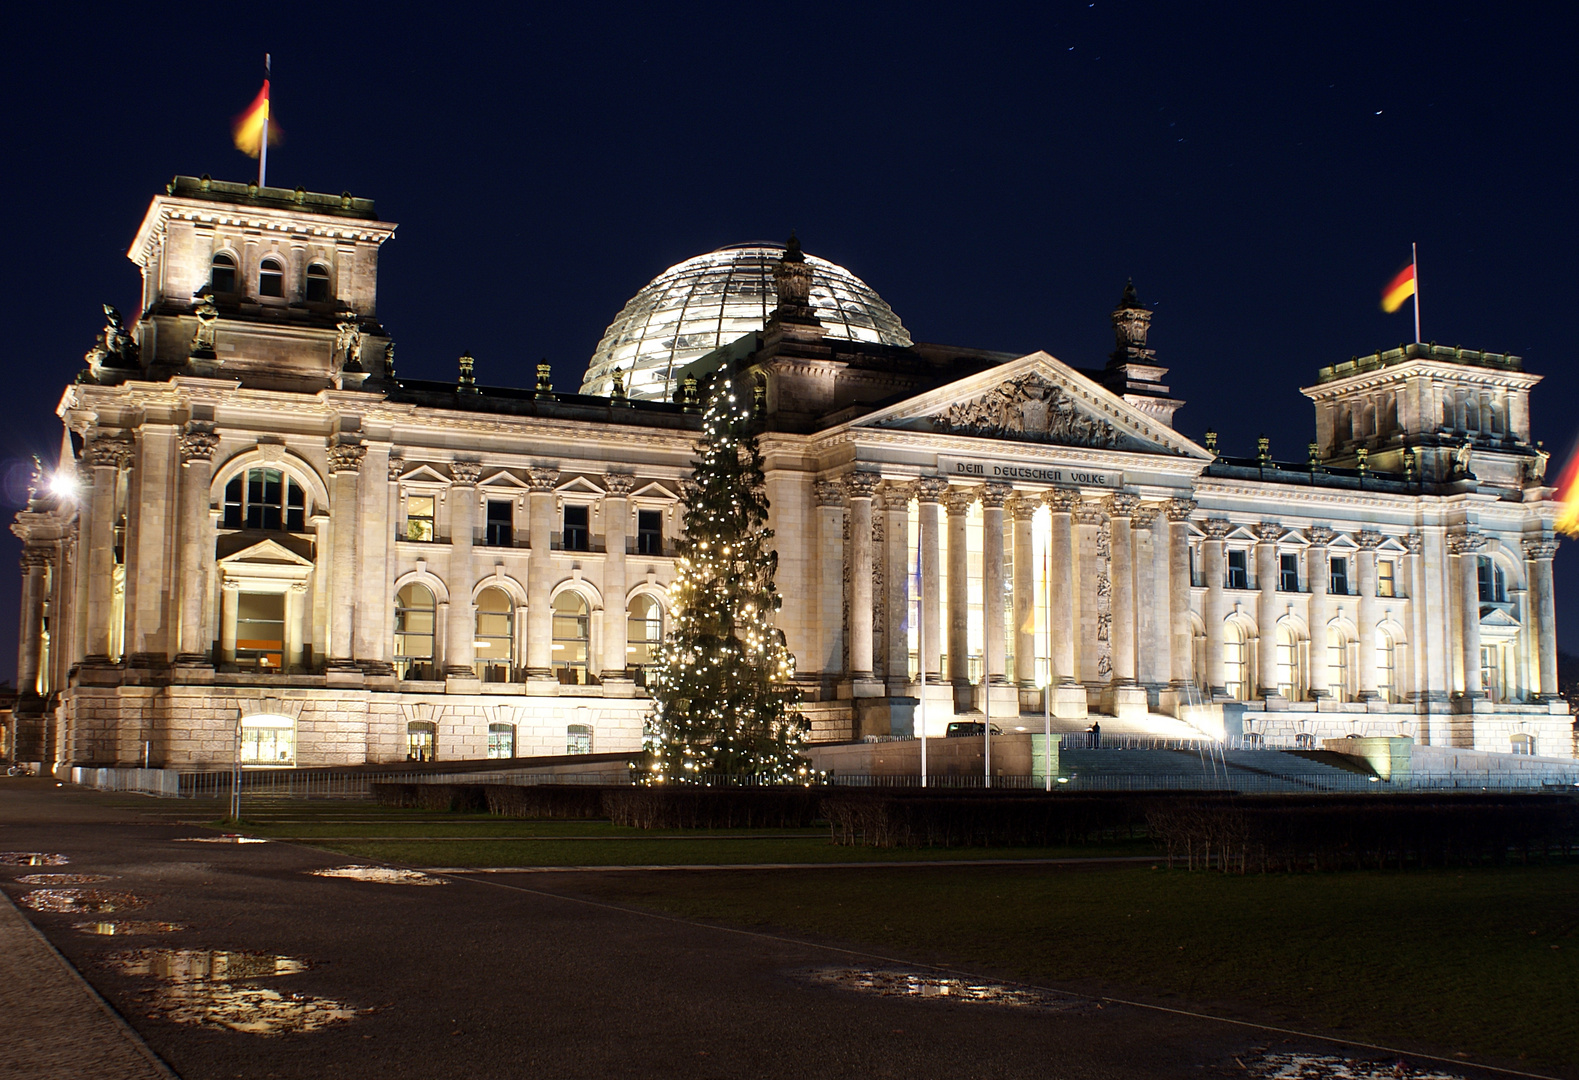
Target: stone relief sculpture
(1032, 409)
(114, 346)
(203, 338)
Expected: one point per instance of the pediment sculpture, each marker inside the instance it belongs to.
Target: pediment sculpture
(1029, 408)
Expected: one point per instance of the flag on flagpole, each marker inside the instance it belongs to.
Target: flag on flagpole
(1567, 496)
(1399, 289)
(249, 126)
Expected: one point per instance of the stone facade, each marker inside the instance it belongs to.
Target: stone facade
(258, 535)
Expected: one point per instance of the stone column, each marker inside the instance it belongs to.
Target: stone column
(108, 455)
(928, 491)
(1179, 585)
(152, 510)
(993, 497)
(540, 581)
(957, 502)
(1317, 573)
(1267, 534)
(1365, 561)
(896, 584)
(859, 488)
(320, 586)
(1543, 602)
(1468, 546)
(460, 659)
(229, 597)
(1213, 567)
(345, 463)
(1419, 674)
(1120, 508)
(1061, 567)
(830, 534)
(616, 625)
(374, 634)
(1024, 510)
(34, 562)
(295, 608)
(198, 443)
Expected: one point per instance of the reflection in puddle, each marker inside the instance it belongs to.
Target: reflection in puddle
(130, 926)
(32, 858)
(62, 879)
(228, 838)
(203, 965)
(384, 875)
(890, 983)
(1328, 1067)
(90, 901)
(250, 1009)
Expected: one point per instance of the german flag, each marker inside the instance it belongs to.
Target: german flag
(1398, 290)
(1567, 496)
(248, 128)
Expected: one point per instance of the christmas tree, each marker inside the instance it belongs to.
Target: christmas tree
(723, 696)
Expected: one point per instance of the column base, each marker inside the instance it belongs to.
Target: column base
(192, 660)
(618, 686)
(541, 683)
(378, 669)
(862, 686)
(343, 673)
(1127, 702)
(463, 681)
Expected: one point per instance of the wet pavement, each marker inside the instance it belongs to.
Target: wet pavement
(247, 961)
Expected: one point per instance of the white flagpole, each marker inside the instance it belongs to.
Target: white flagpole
(1414, 261)
(263, 148)
(1047, 686)
(921, 656)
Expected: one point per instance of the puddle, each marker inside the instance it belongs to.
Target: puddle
(251, 1009)
(86, 901)
(228, 838)
(63, 879)
(132, 926)
(383, 875)
(892, 983)
(1328, 1067)
(32, 858)
(203, 965)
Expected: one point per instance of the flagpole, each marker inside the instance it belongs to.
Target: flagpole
(1047, 687)
(921, 655)
(1414, 261)
(263, 148)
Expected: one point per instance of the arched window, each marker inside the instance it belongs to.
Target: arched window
(265, 499)
(572, 635)
(1337, 664)
(317, 283)
(414, 610)
(495, 636)
(1304, 740)
(222, 273)
(1235, 661)
(1522, 743)
(501, 740)
(420, 740)
(643, 634)
(1386, 667)
(1290, 679)
(271, 278)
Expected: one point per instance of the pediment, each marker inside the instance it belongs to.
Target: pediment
(655, 490)
(1497, 618)
(423, 474)
(503, 479)
(579, 485)
(1035, 399)
(262, 551)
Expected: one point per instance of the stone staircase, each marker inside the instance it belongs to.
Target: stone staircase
(1223, 770)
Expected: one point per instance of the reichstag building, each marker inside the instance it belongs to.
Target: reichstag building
(258, 532)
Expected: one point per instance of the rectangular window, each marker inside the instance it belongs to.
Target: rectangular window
(649, 532)
(1288, 573)
(577, 534)
(268, 740)
(501, 524)
(419, 518)
(420, 740)
(260, 630)
(1493, 585)
(264, 498)
(578, 739)
(295, 507)
(1386, 578)
(233, 503)
(1238, 570)
(1339, 578)
(501, 740)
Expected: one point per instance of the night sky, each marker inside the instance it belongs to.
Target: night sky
(1260, 170)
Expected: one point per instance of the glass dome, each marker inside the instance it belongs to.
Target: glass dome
(694, 307)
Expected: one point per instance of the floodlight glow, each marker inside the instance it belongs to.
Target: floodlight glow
(63, 485)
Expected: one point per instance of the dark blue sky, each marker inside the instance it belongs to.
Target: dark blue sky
(994, 172)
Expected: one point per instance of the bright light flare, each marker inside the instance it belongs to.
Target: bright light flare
(63, 485)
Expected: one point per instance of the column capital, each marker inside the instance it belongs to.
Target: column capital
(397, 466)
(1061, 500)
(929, 489)
(198, 442)
(35, 558)
(862, 485)
(1121, 504)
(1415, 543)
(1466, 543)
(106, 450)
(1180, 509)
(1544, 548)
(1320, 535)
(1217, 528)
(1369, 540)
(897, 494)
(618, 485)
(465, 473)
(346, 457)
(1023, 507)
(1268, 532)
(828, 493)
(994, 495)
(1144, 515)
(1089, 513)
(958, 500)
(542, 479)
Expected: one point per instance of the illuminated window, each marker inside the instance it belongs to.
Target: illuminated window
(1491, 671)
(495, 656)
(419, 518)
(260, 631)
(1522, 744)
(1386, 577)
(271, 278)
(1386, 667)
(268, 740)
(265, 499)
(317, 283)
(1289, 681)
(1304, 740)
(222, 274)
(1235, 661)
(419, 740)
(414, 610)
(501, 740)
(572, 633)
(1337, 664)
(578, 739)
(643, 635)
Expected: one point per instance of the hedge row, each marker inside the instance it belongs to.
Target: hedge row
(638, 807)
(906, 820)
(464, 798)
